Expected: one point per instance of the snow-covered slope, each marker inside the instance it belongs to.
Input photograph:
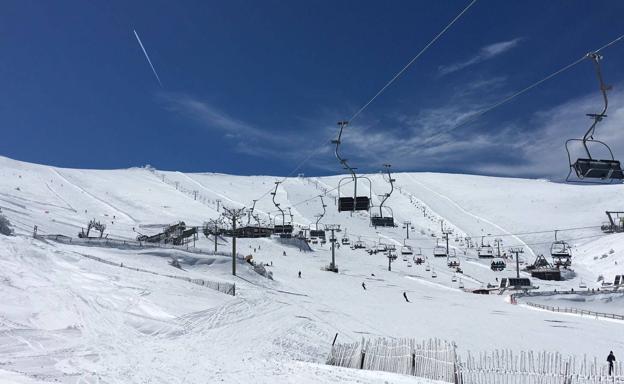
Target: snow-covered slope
(68, 317)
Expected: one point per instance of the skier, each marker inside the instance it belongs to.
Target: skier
(405, 296)
(611, 359)
(284, 254)
(363, 285)
(300, 274)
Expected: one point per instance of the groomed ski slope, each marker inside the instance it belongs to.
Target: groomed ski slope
(69, 318)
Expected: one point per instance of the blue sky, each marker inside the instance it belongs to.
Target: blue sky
(254, 87)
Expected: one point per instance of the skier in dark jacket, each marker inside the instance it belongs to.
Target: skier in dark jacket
(300, 274)
(611, 360)
(364, 286)
(405, 296)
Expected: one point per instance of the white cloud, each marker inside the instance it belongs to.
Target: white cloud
(248, 138)
(485, 53)
(535, 148)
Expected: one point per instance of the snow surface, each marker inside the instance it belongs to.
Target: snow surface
(66, 317)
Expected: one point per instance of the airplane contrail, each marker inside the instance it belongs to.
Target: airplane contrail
(147, 57)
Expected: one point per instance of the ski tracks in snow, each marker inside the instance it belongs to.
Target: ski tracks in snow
(464, 211)
(82, 190)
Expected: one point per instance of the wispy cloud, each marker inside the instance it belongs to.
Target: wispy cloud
(485, 53)
(532, 147)
(247, 138)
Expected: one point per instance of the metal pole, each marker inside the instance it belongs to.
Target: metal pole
(234, 245)
(333, 241)
(215, 236)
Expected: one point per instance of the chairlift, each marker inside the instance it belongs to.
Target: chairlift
(378, 219)
(582, 284)
(498, 265)
(428, 268)
(454, 279)
(434, 274)
(439, 251)
(345, 239)
(461, 284)
(406, 250)
(359, 245)
(485, 251)
(561, 252)
(284, 230)
(452, 262)
(355, 202)
(409, 264)
(604, 170)
(316, 232)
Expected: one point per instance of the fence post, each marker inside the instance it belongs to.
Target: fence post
(363, 355)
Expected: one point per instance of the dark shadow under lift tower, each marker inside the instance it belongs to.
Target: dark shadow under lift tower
(355, 202)
(284, 230)
(601, 170)
(378, 219)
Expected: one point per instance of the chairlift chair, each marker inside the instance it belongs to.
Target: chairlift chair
(498, 265)
(452, 262)
(284, 230)
(439, 251)
(589, 168)
(355, 202)
(378, 219)
(485, 251)
(345, 239)
(406, 250)
(561, 252)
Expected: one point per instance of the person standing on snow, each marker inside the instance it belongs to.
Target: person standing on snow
(611, 360)
(405, 296)
(363, 285)
(300, 274)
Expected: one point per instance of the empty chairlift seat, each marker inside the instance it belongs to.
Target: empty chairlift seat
(598, 169)
(360, 203)
(378, 221)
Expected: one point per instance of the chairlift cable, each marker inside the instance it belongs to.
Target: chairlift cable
(540, 232)
(359, 111)
(507, 99)
(426, 47)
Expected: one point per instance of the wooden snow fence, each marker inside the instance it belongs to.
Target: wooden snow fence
(576, 311)
(505, 366)
(431, 359)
